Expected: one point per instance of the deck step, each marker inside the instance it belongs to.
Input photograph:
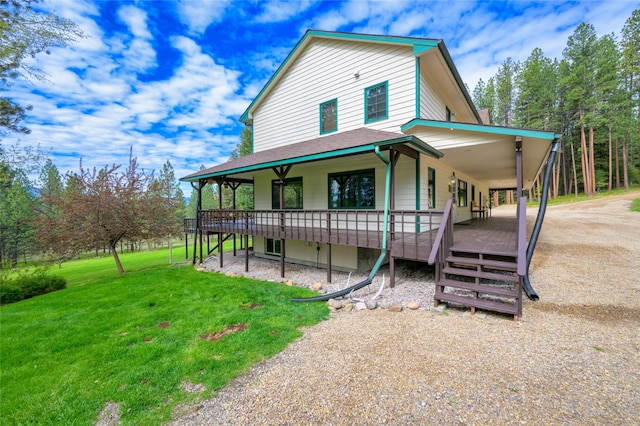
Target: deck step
(473, 273)
(490, 251)
(490, 263)
(482, 288)
(490, 305)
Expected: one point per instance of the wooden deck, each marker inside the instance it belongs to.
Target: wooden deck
(496, 235)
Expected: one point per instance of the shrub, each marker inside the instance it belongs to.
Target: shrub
(27, 286)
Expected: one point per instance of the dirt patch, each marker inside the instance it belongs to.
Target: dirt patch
(250, 306)
(164, 325)
(110, 415)
(218, 335)
(606, 314)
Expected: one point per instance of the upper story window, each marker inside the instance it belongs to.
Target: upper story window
(329, 116)
(352, 190)
(376, 102)
(292, 194)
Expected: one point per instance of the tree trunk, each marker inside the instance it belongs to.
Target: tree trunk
(584, 160)
(610, 160)
(625, 164)
(575, 172)
(592, 162)
(617, 163)
(114, 251)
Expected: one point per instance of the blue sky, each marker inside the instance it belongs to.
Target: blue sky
(171, 78)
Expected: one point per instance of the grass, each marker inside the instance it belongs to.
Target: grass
(135, 339)
(571, 198)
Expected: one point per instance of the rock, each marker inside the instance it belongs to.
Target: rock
(360, 306)
(441, 307)
(395, 308)
(335, 304)
(370, 304)
(316, 287)
(201, 269)
(231, 274)
(413, 305)
(289, 282)
(347, 307)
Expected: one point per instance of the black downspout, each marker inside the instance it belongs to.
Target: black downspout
(528, 289)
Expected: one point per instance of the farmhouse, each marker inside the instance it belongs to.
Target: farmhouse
(368, 149)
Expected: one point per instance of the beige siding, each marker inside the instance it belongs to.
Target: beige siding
(405, 183)
(443, 173)
(325, 71)
(431, 105)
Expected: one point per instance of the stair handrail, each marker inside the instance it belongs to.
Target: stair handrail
(522, 236)
(444, 235)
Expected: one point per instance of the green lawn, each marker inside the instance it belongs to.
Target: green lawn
(135, 339)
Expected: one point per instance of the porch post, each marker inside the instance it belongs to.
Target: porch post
(220, 251)
(328, 262)
(281, 173)
(518, 168)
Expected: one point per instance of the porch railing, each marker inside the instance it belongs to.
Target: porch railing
(361, 228)
(443, 242)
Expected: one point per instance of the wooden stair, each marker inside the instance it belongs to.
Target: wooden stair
(486, 281)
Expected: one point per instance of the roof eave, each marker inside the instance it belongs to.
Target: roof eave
(412, 140)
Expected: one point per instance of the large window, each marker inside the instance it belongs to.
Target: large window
(376, 102)
(462, 193)
(352, 190)
(329, 116)
(292, 194)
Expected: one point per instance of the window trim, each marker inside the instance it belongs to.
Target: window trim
(322, 131)
(275, 183)
(366, 102)
(359, 174)
(274, 251)
(431, 188)
(462, 193)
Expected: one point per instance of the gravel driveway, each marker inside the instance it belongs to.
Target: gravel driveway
(574, 357)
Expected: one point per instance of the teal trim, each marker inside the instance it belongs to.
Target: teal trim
(431, 184)
(508, 131)
(387, 197)
(408, 140)
(417, 87)
(421, 48)
(418, 183)
(252, 144)
(322, 132)
(386, 102)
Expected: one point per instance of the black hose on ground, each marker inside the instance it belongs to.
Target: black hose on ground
(528, 288)
(334, 294)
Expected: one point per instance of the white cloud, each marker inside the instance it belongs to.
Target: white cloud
(278, 11)
(198, 15)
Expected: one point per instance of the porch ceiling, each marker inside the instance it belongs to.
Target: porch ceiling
(487, 153)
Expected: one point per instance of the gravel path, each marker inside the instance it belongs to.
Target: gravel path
(574, 357)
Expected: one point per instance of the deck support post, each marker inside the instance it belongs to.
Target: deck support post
(328, 262)
(220, 251)
(392, 271)
(246, 252)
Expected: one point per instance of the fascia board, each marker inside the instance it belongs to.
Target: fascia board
(509, 131)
